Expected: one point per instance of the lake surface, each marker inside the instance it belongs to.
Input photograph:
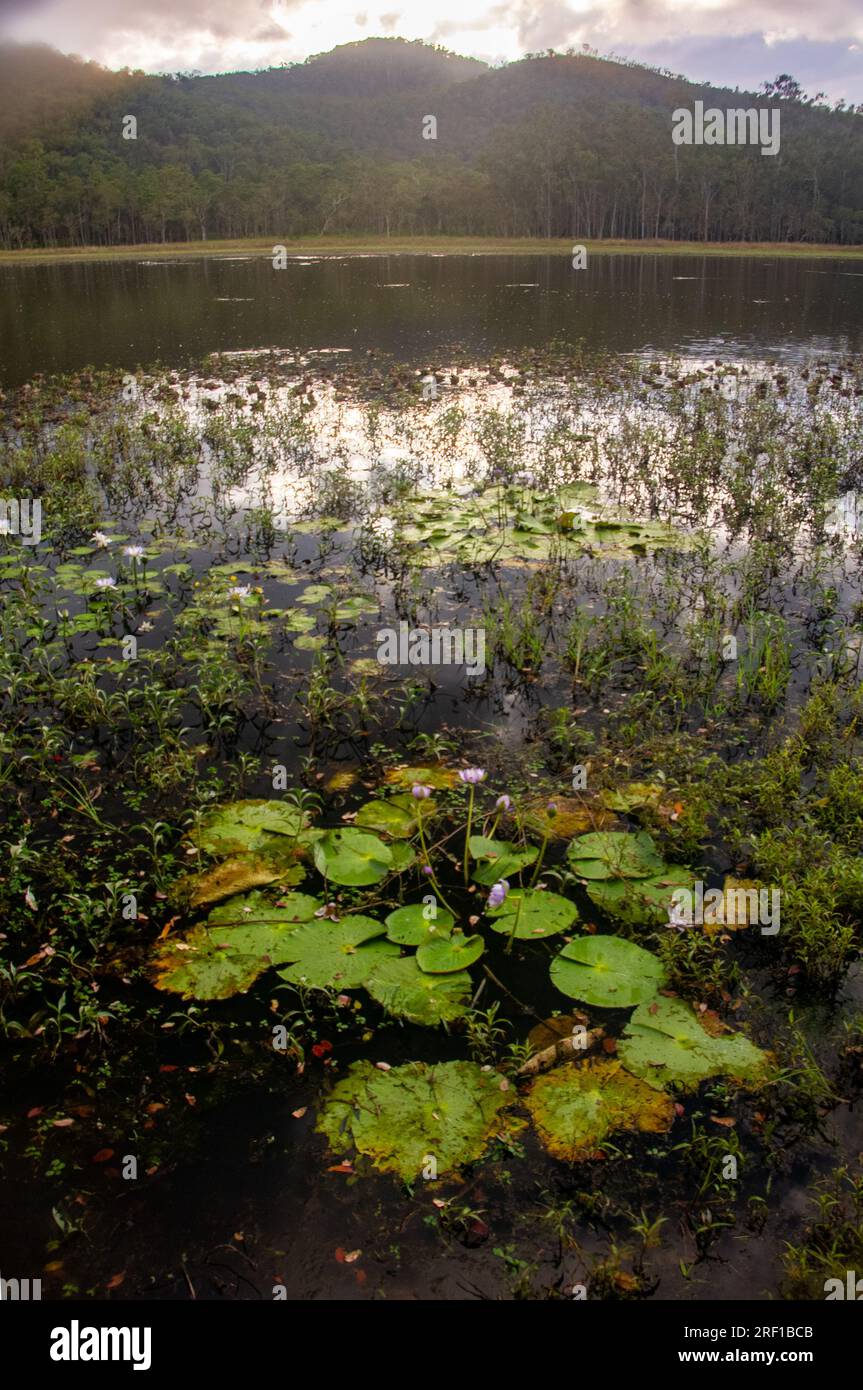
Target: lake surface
(56, 318)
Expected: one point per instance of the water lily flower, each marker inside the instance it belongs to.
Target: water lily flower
(497, 896)
(106, 582)
(503, 803)
(99, 538)
(472, 775)
(240, 591)
(420, 792)
(134, 552)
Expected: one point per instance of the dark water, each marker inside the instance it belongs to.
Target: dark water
(56, 318)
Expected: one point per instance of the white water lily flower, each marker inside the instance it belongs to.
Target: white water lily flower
(106, 582)
(240, 591)
(99, 538)
(134, 552)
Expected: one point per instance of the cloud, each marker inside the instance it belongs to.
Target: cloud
(727, 41)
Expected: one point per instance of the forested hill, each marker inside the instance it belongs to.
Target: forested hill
(554, 145)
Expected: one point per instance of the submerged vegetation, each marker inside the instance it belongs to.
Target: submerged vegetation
(440, 911)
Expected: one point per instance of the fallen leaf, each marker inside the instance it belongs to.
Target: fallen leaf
(115, 1281)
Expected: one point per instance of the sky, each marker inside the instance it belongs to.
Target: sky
(727, 42)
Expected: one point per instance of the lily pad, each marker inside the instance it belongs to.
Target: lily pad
(539, 914)
(247, 825)
(574, 1108)
(607, 971)
(408, 992)
(606, 854)
(240, 940)
(329, 955)
(408, 926)
(632, 796)
(397, 817)
(640, 901)
(499, 859)
(571, 817)
(403, 1118)
(352, 857)
(233, 876)
(665, 1044)
(436, 777)
(450, 953)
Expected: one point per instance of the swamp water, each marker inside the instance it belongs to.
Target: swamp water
(252, 1048)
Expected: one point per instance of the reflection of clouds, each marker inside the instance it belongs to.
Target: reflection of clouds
(302, 457)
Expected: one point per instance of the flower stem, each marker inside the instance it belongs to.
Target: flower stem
(467, 833)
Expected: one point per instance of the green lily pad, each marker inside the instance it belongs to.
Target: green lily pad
(664, 1043)
(352, 857)
(397, 817)
(329, 955)
(449, 953)
(632, 796)
(607, 971)
(408, 926)
(307, 643)
(539, 914)
(608, 854)
(240, 940)
(574, 1108)
(315, 593)
(247, 825)
(499, 859)
(403, 1118)
(640, 901)
(406, 991)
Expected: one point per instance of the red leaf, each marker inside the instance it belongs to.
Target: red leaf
(102, 1156)
(116, 1280)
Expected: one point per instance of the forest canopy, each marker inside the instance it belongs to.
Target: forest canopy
(555, 145)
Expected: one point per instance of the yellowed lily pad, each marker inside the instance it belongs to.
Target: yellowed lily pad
(577, 1106)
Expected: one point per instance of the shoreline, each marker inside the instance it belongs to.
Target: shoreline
(346, 246)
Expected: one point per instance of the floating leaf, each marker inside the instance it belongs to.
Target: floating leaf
(571, 817)
(664, 1043)
(607, 971)
(606, 854)
(449, 953)
(329, 955)
(641, 901)
(247, 825)
(437, 777)
(240, 940)
(352, 857)
(401, 1117)
(229, 878)
(539, 914)
(406, 991)
(410, 927)
(631, 796)
(397, 817)
(576, 1107)
(500, 859)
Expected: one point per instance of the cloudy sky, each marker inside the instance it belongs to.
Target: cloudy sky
(731, 42)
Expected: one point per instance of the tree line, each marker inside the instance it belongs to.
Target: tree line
(558, 145)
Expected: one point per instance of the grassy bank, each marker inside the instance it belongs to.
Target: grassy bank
(399, 246)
